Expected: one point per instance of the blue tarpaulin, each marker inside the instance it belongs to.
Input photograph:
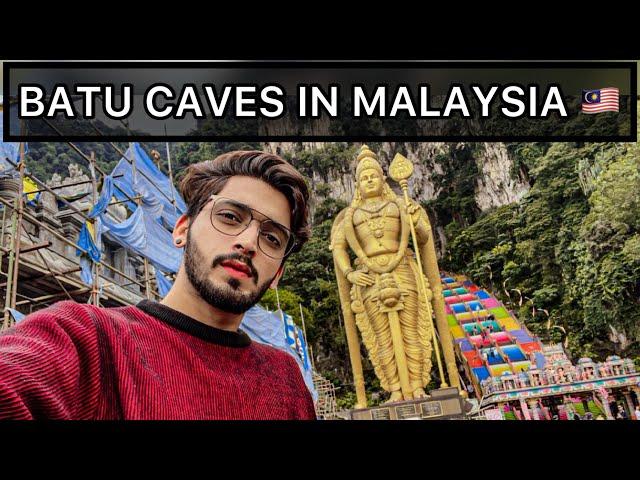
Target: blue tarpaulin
(290, 330)
(105, 197)
(302, 349)
(156, 198)
(267, 327)
(85, 239)
(146, 237)
(90, 244)
(17, 316)
(130, 233)
(85, 270)
(164, 284)
(140, 233)
(86, 242)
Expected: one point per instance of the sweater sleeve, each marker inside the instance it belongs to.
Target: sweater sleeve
(50, 365)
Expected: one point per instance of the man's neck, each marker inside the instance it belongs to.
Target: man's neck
(183, 298)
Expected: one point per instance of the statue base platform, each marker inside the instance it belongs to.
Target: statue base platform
(440, 404)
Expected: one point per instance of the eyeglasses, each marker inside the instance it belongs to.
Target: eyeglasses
(232, 218)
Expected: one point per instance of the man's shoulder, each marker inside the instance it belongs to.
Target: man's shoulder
(266, 349)
(68, 311)
(69, 306)
(274, 354)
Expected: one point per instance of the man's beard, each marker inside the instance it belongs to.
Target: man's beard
(225, 297)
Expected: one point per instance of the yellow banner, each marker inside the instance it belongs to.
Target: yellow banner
(29, 186)
(92, 230)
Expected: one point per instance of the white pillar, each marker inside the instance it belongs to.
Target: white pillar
(607, 409)
(532, 405)
(525, 410)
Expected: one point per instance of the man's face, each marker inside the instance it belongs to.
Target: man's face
(370, 183)
(230, 272)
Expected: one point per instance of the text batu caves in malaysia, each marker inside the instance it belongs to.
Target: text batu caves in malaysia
(162, 101)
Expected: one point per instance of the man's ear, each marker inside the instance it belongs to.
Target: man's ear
(276, 279)
(180, 231)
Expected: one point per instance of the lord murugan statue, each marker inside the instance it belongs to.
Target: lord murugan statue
(388, 292)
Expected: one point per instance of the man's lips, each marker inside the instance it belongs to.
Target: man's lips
(236, 269)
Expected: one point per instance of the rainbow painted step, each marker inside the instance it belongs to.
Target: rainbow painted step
(467, 308)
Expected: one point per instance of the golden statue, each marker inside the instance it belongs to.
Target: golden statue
(385, 292)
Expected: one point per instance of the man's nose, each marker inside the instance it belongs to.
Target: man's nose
(247, 241)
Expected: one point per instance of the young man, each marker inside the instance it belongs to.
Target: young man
(183, 358)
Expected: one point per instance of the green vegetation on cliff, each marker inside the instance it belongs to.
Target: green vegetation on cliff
(570, 247)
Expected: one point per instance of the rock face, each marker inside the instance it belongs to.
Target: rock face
(619, 338)
(496, 184)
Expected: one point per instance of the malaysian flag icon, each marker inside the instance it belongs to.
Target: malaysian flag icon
(601, 100)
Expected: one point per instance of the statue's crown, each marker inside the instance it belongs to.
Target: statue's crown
(367, 159)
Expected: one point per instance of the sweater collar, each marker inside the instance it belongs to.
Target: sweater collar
(194, 327)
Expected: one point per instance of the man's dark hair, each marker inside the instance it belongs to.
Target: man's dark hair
(209, 177)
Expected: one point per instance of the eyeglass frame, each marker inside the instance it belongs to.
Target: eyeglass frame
(292, 237)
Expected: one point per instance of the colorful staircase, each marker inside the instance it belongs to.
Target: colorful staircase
(488, 338)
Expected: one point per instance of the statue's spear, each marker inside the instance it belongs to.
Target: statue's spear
(401, 170)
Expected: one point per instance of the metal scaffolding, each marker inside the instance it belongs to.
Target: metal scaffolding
(326, 406)
(29, 280)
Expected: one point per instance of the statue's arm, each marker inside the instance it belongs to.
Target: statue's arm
(423, 226)
(340, 247)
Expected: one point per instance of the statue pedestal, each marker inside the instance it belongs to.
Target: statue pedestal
(441, 404)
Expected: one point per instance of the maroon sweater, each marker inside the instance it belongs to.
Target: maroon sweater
(74, 361)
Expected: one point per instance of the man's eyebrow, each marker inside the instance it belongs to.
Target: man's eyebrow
(270, 218)
(239, 203)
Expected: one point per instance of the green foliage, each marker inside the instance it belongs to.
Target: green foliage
(346, 400)
(331, 159)
(290, 303)
(457, 185)
(186, 153)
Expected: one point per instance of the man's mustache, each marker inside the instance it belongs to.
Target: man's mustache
(241, 258)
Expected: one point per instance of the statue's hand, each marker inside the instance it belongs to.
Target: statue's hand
(361, 279)
(413, 209)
